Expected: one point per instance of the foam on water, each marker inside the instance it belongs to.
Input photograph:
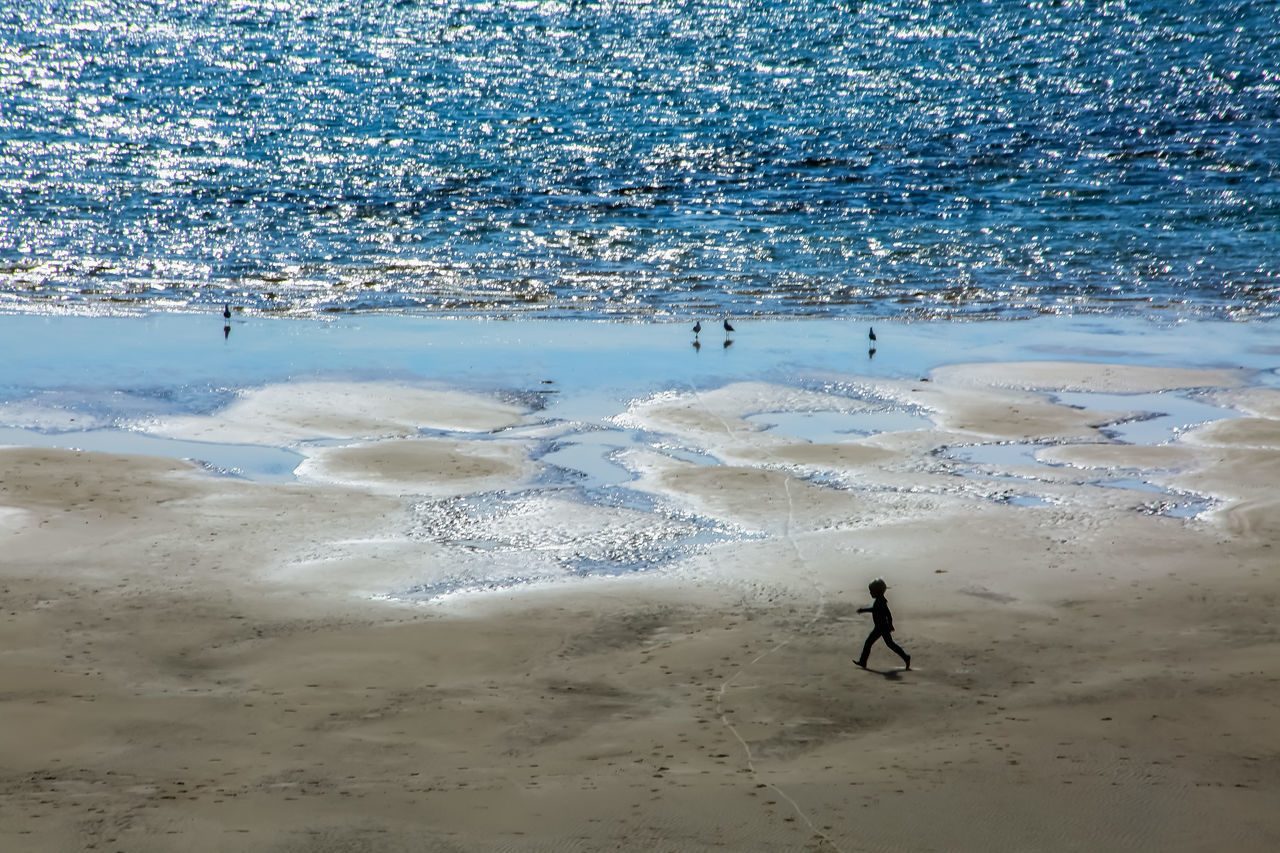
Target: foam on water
(506, 539)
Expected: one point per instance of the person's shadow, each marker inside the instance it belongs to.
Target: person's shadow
(891, 674)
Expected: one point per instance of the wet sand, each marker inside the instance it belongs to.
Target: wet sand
(201, 663)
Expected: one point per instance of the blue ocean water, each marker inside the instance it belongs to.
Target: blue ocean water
(775, 158)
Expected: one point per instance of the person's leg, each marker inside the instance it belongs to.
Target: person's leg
(866, 648)
(906, 658)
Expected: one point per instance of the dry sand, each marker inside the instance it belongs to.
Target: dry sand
(194, 663)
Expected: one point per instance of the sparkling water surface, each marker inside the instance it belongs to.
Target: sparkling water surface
(895, 158)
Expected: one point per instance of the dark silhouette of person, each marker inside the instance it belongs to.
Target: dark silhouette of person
(883, 624)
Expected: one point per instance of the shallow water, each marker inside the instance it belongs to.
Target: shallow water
(101, 383)
(825, 427)
(120, 372)
(252, 462)
(1157, 418)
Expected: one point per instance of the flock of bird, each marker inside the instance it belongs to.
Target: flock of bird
(697, 330)
(728, 331)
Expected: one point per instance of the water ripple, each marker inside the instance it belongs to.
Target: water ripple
(639, 159)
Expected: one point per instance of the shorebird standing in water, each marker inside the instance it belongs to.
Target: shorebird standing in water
(226, 312)
(697, 327)
(872, 334)
(728, 327)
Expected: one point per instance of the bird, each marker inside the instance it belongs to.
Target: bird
(226, 312)
(728, 327)
(697, 327)
(872, 334)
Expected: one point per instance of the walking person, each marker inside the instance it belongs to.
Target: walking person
(882, 620)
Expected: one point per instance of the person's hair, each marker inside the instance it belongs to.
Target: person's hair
(877, 586)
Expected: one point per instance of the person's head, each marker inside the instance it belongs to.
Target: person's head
(877, 587)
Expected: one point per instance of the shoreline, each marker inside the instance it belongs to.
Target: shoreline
(205, 662)
(586, 441)
(75, 382)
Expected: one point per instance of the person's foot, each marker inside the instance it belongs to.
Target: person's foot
(861, 663)
(908, 660)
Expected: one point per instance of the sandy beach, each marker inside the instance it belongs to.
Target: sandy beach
(196, 662)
